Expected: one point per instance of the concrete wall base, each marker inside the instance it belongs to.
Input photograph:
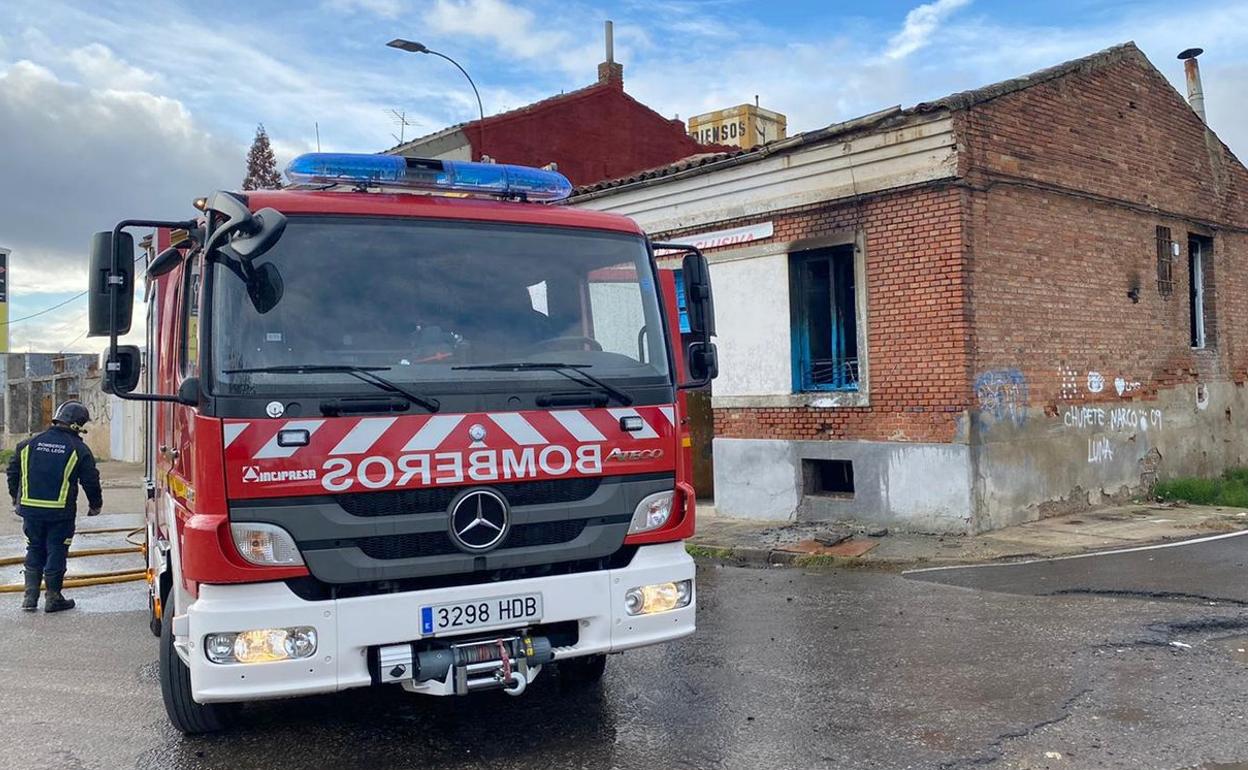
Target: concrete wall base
(918, 487)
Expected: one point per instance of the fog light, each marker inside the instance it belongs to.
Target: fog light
(660, 597)
(220, 647)
(261, 645)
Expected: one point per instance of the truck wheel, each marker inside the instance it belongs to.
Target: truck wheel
(582, 672)
(184, 713)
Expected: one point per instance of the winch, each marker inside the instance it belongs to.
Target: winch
(507, 663)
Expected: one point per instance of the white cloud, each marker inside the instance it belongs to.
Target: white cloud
(570, 42)
(53, 333)
(33, 271)
(513, 29)
(100, 68)
(386, 9)
(90, 158)
(921, 23)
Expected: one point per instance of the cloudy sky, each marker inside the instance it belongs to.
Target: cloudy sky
(132, 108)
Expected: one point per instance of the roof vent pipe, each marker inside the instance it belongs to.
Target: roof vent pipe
(1195, 93)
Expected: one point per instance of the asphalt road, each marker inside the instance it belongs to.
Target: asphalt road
(951, 669)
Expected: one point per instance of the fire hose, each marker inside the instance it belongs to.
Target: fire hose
(90, 578)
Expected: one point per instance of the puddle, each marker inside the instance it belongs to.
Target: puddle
(1237, 648)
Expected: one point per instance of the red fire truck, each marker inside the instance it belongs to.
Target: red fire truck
(409, 424)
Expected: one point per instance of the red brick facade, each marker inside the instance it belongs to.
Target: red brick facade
(596, 133)
(1071, 179)
(1027, 323)
(1026, 263)
(917, 322)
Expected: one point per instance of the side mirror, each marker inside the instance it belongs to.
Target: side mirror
(703, 362)
(188, 391)
(264, 287)
(164, 262)
(258, 235)
(102, 310)
(236, 214)
(699, 305)
(248, 235)
(122, 369)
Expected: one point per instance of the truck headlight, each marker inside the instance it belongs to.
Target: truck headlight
(652, 512)
(265, 545)
(660, 597)
(261, 645)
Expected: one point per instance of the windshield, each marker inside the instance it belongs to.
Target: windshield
(425, 297)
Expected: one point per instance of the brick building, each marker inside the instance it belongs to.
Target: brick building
(593, 133)
(1010, 302)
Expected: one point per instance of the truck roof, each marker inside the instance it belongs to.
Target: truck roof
(435, 207)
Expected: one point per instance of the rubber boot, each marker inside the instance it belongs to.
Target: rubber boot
(52, 599)
(34, 580)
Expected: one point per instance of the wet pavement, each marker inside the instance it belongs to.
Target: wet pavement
(1139, 661)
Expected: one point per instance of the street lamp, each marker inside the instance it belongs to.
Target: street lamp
(411, 46)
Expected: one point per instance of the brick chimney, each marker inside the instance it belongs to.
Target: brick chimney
(609, 71)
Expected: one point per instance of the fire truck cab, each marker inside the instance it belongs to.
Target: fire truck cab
(409, 424)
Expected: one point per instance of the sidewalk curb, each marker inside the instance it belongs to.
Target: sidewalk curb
(741, 556)
(737, 556)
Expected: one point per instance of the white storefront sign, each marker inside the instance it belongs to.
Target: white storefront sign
(737, 236)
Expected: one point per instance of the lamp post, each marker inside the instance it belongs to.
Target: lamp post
(411, 46)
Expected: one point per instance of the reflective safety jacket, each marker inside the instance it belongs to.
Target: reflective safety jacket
(45, 472)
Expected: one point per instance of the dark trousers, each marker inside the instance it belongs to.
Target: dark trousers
(47, 543)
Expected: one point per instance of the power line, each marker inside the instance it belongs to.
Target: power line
(45, 310)
(74, 341)
(12, 321)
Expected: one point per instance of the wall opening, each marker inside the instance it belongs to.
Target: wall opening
(1167, 250)
(1199, 256)
(828, 478)
(825, 320)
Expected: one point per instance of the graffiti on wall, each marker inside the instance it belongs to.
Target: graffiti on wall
(1003, 394)
(1123, 386)
(1075, 385)
(1106, 421)
(1070, 383)
(1100, 450)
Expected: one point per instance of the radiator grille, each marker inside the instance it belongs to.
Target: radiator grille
(439, 543)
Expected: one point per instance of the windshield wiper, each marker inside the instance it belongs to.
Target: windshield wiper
(583, 378)
(363, 373)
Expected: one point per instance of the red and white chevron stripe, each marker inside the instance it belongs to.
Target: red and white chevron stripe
(278, 457)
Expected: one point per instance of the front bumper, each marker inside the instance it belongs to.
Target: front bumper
(347, 628)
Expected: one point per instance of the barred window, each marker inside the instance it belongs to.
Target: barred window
(1165, 261)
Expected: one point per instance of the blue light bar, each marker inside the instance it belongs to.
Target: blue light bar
(497, 179)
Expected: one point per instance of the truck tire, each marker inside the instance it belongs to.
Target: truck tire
(189, 717)
(585, 671)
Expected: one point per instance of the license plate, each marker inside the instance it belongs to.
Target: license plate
(480, 613)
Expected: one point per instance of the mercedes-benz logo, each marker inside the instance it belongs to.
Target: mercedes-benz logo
(479, 520)
(477, 432)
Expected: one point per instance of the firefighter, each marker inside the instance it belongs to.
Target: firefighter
(44, 475)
